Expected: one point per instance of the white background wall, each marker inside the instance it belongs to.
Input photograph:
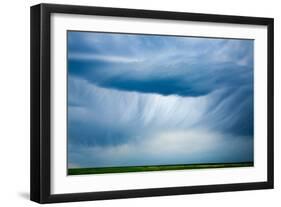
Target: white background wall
(14, 101)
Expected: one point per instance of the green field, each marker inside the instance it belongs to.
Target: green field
(102, 170)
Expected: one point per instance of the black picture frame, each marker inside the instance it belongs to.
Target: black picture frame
(40, 184)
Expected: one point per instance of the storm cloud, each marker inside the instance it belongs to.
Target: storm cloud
(148, 99)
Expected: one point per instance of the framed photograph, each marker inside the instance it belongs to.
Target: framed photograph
(133, 103)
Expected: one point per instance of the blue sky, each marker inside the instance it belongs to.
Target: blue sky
(152, 100)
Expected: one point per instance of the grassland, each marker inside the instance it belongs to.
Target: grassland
(102, 170)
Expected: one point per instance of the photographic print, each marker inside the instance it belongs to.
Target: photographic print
(129, 103)
(149, 102)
